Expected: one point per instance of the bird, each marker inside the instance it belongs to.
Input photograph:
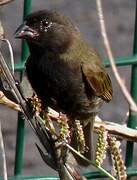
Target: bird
(64, 71)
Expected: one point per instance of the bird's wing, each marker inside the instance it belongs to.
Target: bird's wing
(97, 79)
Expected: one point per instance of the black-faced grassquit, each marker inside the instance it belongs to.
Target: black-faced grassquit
(65, 72)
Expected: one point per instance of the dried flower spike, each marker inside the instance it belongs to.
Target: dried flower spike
(118, 162)
(64, 127)
(80, 137)
(101, 146)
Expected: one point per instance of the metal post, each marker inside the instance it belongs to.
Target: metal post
(133, 117)
(21, 124)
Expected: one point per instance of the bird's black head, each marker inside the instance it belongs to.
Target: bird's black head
(47, 29)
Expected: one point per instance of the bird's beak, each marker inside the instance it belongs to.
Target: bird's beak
(25, 32)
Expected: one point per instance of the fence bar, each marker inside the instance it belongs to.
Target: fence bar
(120, 61)
(21, 124)
(133, 117)
(131, 172)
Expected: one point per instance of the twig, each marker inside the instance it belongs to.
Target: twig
(120, 131)
(3, 2)
(127, 95)
(5, 101)
(5, 177)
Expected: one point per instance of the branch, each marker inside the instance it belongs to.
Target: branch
(5, 101)
(120, 131)
(127, 95)
(3, 2)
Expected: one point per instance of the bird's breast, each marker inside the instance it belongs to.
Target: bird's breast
(60, 85)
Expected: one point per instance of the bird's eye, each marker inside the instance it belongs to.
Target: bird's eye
(46, 23)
